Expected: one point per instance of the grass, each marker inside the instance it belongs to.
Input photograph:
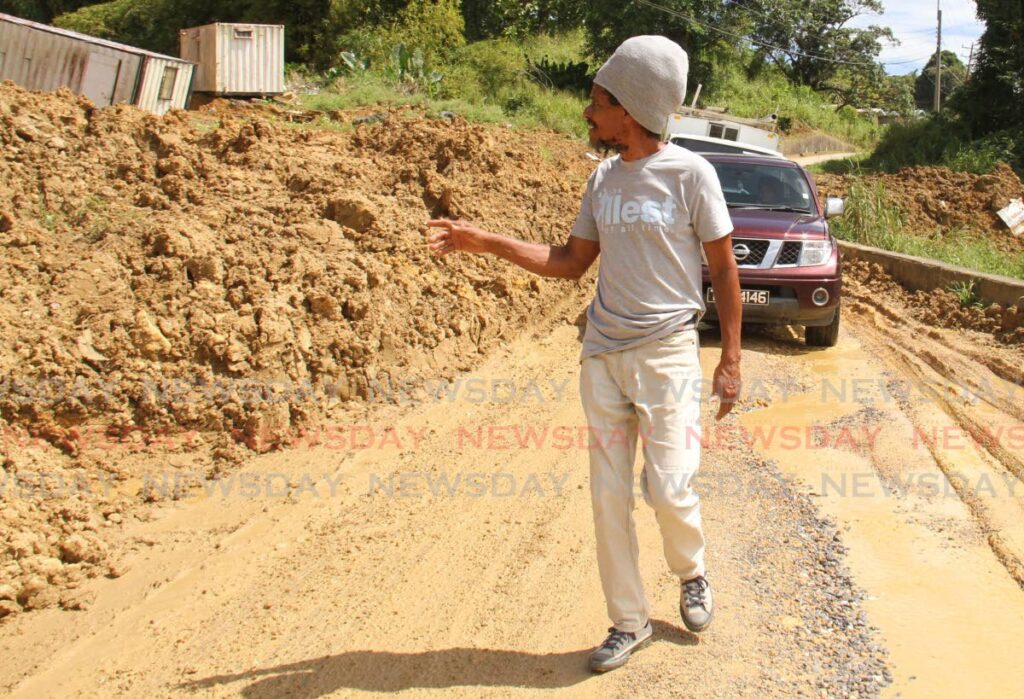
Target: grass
(852, 165)
(944, 141)
(965, 293)
(770, 93)
(489, 81)
(528, 106)
(872, 219)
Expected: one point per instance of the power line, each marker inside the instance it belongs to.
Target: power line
(791, 52)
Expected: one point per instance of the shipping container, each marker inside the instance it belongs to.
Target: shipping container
(713, 127)
(40, 57)
(236, 59)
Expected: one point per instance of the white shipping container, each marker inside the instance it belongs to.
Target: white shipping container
(236, 59)
(164, 84)
(721, 128)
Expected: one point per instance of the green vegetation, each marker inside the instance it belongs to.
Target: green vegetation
(528, 62)
(841, 166)
(954, 74)
(490, 81)
(801, 107)
(965, 293)
(946, 140)
(872, 219)
(984, 122)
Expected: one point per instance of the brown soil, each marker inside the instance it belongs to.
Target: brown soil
(183, 285)
(938, 198)
(173, 270)
(938, 308)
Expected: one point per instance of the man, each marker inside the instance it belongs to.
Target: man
(648, 211)
(769, 191)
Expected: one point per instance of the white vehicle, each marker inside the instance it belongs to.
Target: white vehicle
(710, 132)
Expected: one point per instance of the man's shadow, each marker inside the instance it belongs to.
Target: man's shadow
(385, 671)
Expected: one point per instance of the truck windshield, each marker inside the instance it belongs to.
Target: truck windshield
(764, 186)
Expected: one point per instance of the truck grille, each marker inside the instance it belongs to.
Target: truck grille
(790, 253)
(748, 252)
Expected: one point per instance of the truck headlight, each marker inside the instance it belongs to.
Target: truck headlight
(815, 252)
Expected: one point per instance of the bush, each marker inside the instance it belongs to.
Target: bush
(770, 92)
(486, 81)
(434, 28)
(498, 65)
(872, 219)
(944, 141)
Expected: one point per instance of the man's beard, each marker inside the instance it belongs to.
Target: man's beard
(608, 146)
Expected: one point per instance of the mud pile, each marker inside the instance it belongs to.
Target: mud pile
(213, 271)
(937, 308)
(936, 197)
(176, 287)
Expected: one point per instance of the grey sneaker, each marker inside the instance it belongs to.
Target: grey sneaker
(695, 604)
(617, 648)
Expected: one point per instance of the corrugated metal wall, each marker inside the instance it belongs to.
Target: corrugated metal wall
(39, 60)
(151, 85)
(199, 45)
(236, 59)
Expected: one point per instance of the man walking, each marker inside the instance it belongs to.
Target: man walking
(648, 212)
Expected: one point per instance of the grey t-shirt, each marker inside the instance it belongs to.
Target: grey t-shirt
(650, 216)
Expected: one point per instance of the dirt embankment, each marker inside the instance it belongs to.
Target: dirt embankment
(938, 308)
(935, 198)
(223, 279)
(232, 274)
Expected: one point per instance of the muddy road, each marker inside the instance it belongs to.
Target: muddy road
(456, 555)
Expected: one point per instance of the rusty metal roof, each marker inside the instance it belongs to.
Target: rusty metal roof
(87, 38)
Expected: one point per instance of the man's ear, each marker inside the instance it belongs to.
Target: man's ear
(633, 125)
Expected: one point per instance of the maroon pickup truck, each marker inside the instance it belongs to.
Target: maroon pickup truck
(789, 263)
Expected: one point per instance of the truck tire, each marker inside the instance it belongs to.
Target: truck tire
(825, 335)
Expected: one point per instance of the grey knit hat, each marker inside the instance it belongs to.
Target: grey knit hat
(647, 75)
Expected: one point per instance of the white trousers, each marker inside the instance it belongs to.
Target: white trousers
(652, 392)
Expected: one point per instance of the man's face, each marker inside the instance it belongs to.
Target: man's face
(607, 121)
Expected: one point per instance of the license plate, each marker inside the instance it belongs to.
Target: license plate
(749, 297)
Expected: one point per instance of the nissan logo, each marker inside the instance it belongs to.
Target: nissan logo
(740, 252)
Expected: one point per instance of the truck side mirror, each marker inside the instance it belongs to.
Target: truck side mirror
(834, 206)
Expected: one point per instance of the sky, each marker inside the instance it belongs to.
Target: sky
(913, 23)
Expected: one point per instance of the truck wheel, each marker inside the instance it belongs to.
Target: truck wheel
(825, 335)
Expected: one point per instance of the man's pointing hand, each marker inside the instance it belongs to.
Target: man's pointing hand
(453, 236)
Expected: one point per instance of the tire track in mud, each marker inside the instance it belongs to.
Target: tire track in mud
(963, 390)
(920, 531)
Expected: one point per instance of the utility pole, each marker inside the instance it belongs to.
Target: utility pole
(970, 61)
(938, 60)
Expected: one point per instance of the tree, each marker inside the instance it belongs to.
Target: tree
(154, 24)
(149, 24)
(898, 94)
(954, 74)
(41, 10)
(486, 19)
(806, 39)
(993, 98)
(809, 41)
(610, 22)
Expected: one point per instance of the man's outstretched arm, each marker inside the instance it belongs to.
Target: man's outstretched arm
(569, 261)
